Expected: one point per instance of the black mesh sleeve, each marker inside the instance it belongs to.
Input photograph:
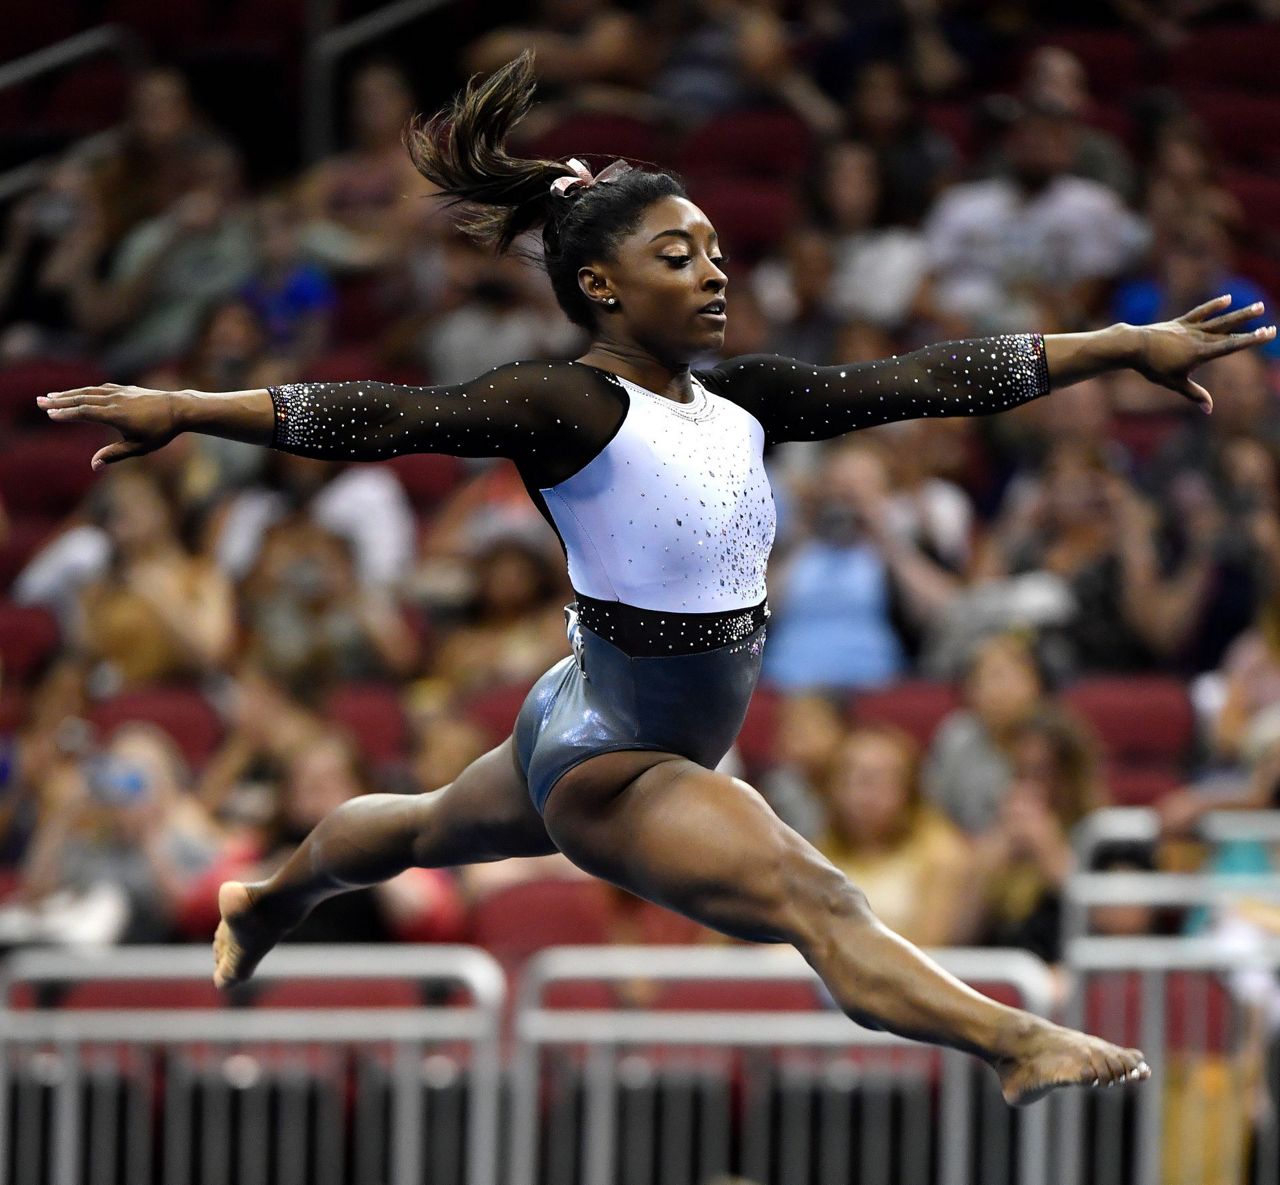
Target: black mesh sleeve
(799, 401)
(548, 417)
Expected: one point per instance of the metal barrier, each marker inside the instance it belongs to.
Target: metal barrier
(1176, 998)
(1142, 825)
(640, 1095)
(252, 1094)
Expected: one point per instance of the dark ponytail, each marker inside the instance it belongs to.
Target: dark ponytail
(462, 150)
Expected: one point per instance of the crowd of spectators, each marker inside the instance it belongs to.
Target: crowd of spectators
(365, 627)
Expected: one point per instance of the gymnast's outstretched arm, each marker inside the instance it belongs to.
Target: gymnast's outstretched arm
(979, 376)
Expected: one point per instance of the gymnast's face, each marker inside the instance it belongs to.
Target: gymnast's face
(667, 282)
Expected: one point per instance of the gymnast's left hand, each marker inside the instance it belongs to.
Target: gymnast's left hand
(1168, 351)
(145, 419)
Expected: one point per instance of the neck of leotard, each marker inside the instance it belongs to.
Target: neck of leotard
(671, 380)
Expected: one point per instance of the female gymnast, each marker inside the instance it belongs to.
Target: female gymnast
(652, 475)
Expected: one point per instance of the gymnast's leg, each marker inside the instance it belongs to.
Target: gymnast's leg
(484, 814)
(711, 848)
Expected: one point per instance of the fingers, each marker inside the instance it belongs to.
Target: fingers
(63, 398)
(119, 451)
(1233, 319)
(1233, 342)
(1200, 312)
(1190, 389)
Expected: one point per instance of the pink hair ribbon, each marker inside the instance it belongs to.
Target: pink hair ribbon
(582, 176)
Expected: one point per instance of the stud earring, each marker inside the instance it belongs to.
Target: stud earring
(610, 300)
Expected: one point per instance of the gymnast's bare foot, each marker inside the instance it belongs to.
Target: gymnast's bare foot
(1051, 1056)
(244, 935)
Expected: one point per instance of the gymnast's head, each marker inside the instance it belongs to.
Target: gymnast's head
(630, 258)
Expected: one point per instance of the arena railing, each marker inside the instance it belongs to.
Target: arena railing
(1175, 996)
(1207, 1115)
(1141, 825)
(252, 1093)
(822, 1099)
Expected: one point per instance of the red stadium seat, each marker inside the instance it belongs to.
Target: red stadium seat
(28, 637)
(338, 993)
(428, 478)
(515, 922)
(766, 143)
(374, 716)
(1142, 720)
(1144, 433)
(917, 706)
(1241, 125)
(26, 537)
(143, 993)
(13, 710)
(760, 729)
(89, 98)
(1239, 56)
(1197, 1010)
(45, 473)
(728, 995)
(20, 384)
(751, 215)
(1139, 786)
(599, 138)
(180, 711)
(1258, 195)
(494, 711)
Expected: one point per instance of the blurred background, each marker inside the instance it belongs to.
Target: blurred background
(1007, 656)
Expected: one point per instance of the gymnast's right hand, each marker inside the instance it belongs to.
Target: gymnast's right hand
(145, 419)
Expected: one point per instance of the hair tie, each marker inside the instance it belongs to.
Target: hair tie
(583, 177)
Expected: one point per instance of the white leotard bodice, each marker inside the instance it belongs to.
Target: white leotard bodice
(675, 512)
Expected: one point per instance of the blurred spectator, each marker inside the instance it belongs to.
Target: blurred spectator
(915, 160)
(1026, 855)
(968, 772)
(363, 504)
(155, 611)
(580, 48)
(321, 773)
(171, 267)
(1001, 247)
(809, 730)
(310, 623)
(360, 208)
(119, 843)
(914, 866)
(1055, 79)
(804, 319)
(147, 168)
(292, 296)
(514, 627)
(833, 623)
(1193, 264)
(52, 235)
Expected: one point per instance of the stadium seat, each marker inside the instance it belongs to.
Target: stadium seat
(1258, 195)
(1198, 1010)
(752, 215)
(13, 710)
(428, 478)
(494, 711)
(765, 143)
(20, 384)
(45, 473)
(760, 729)
(28, 638)
(514, 922)
(1140, 786)
(89, 98)
(180, 711)
(143, 993)
(599, 138)
(1242, 125)
(728, 995)
(1241, 56)
(1142, 434)
(917, 706)
(26, 537)
(1141, 720)
(374, 716)
(338, 993)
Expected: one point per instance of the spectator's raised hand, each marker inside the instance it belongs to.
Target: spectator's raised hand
(145, 419)
(1170, 350)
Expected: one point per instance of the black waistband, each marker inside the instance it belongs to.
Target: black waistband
(643, 633)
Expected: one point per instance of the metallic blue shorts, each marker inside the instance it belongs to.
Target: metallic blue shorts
(602, 700)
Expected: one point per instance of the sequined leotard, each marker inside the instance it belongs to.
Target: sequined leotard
(663, 509)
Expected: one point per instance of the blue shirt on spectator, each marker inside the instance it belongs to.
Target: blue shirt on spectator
(1144, 299)
(305, 291)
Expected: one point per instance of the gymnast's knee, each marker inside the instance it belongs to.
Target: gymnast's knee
(823, 903)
